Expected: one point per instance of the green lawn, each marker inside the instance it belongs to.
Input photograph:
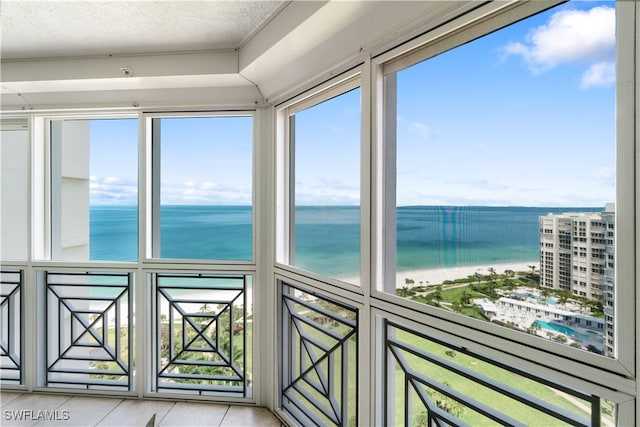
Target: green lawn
(511, 407)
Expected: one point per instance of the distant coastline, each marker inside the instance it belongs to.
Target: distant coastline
(434, 276)
(433, 243)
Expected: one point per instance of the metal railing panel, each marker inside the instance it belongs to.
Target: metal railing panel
(11, 324)
(199, 335)
(89, 327)
(432, 382)
(319, 350)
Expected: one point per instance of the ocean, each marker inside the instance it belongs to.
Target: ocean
(327, 237)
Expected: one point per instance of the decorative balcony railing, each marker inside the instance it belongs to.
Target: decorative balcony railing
(88, 323)
(11, 312)
(200, 333)
(319, 348)
(429, 382)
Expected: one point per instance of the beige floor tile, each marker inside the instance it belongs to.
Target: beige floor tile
(194, 414)
(8, 396)
(105, 411)
(82, 411)
(136, 413)
(29, 409)
(245, 416)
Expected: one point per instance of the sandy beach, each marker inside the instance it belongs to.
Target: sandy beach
(438, 275)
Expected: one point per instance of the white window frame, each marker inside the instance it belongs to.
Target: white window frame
(543, 357)
(285, 181)
(43, 189)
(150, 174)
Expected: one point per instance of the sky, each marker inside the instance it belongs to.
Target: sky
(524, 116)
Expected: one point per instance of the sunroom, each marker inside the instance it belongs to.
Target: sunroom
(332, 212)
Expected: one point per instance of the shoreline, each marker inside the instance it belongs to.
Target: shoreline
(434, 276)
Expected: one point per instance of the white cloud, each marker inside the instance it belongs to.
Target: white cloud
(112, 180)
(601, 74)
(421, 129)
(572, 36)
(112, 190)
(327, 191)
(206, 193)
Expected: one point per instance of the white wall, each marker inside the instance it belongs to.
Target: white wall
(14, 160)
(70, 190)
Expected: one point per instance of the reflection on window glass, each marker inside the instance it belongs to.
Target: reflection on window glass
(327, 187)
(94, 189)
(453, 386)
(206, 192)
(505, 194)
(14, 170)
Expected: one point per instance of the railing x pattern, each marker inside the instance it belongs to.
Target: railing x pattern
(11, 284)
(319, 348)
(88, 341)
(200, 338)
(429, 382)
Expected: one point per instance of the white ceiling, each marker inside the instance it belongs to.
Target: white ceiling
(193, 53)
(60, 28)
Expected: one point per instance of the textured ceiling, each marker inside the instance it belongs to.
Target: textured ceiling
(62, 28)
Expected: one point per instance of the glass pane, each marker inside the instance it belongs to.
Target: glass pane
(505, 177)
(94, 189)
(429, 379)
(14, 170)
(203, 344)
(88, 319)
(319, 375)
(206, 192)
(327, 188)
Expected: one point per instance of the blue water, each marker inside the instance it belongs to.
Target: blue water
(554, 327)
(187, 232)
(549, 301)
(328, 238)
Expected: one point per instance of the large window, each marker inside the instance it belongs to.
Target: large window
(503, 207)
(203, 187)
(14, 172)
(94, 189)
(325, 186)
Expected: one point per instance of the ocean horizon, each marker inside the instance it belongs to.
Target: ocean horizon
(327, 238)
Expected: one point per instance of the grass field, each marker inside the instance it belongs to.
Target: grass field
(524, 413)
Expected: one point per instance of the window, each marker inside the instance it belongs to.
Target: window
(203, 187)
(94, 189)
(14, 171)
(468, 205)
(325, 179)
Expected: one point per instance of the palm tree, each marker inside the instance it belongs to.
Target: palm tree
(563, 298)
(465, 298)
(508, 283)
(545, 292)
(437, 294)
(533, 329)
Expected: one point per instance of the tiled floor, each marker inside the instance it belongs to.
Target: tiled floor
(98, 411)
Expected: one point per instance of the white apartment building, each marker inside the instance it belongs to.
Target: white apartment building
(577, 251)
(576, 248)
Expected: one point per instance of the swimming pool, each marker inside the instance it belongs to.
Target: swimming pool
(541, 299)
(562, 329)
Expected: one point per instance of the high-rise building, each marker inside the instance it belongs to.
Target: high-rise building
(577, 252)
(576, 249)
